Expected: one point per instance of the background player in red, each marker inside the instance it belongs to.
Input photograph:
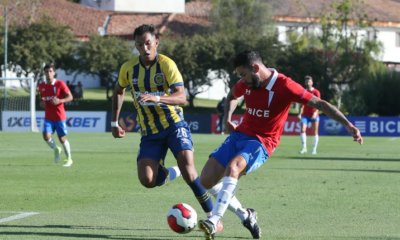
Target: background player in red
(54, 93)
(268, 96)
(309, 114)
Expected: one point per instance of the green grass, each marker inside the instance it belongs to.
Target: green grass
(347, 191)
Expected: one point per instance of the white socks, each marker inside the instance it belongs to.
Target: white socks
(315, 142)
(52, 144)
(234, 206)
(303, 138)
(67, 149)
(224, 198)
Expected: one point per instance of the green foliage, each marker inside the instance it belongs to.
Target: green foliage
(32, 44)
(193, 56)
(103, 57)
(376, 94)
(245, 16)
(347, 56)
(307, 62)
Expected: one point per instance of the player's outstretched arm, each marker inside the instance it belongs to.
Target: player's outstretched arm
(230, 106)
(334, 113)
(117, 100)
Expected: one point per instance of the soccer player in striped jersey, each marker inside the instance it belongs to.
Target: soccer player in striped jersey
(158, 90)
(309, 114)
(54, 93)
(268, 96)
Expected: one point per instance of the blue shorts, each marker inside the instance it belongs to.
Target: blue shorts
(156, 146)
(242, 144)
(60, 126)
(306, 120)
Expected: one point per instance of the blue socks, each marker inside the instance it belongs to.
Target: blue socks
(202, 195)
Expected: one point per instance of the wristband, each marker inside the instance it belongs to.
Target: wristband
(158, 99)
(114, 124)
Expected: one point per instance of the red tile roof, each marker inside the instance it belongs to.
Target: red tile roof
(125, 24)
(86, 20)
(83, 20)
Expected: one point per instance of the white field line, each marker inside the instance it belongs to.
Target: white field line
(391, 139)
(18, 216)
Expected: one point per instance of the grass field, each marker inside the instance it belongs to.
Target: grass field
(347, 191)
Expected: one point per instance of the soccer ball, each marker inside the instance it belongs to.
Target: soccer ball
(182, 218)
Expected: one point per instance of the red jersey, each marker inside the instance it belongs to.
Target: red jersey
(309, 111)
(56, 89)
(267, 108)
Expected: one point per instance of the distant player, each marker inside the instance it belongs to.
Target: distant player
(158, 90)
(54, 93)
(309, 114)
(268, 96)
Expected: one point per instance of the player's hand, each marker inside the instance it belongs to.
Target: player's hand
(118, 132)
(55, 101)
(230, 126)
(146, 98)
(42, 104)
(299, 117)
(355, 133)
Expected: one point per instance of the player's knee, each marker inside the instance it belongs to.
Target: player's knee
(147, 182)
(207, 184)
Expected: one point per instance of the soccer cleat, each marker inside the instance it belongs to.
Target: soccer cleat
(57, 154)
(251, 223)
(219, 227)
(304, 150)
(68, 162)
(208, 228)
(314, 152)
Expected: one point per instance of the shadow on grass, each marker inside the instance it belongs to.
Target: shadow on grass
(344, 170)
(345, 159)
(98, 236)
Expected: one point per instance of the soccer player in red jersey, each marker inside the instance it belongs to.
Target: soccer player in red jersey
(54, 93)
(268, 96)
(309, 114)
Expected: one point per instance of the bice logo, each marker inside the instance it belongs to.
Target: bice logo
(258, 112)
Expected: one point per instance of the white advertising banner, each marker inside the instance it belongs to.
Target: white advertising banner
(76, 121)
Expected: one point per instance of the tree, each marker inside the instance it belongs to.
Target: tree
(347, 57)
(193, 57)
(37, 42)
(238, 25)
(103, 57)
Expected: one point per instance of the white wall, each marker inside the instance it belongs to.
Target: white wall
(139, 6)
(87, 81)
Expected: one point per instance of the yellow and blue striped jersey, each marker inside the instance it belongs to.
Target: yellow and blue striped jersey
(156, 79)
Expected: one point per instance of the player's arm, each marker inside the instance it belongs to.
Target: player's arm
(332, 112)
(117, 100)
(67, 98)
(315, 113)
(230, 106)
(301, 110)
(178, 97)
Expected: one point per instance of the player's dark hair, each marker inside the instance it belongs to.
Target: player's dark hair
(308, 78)
(49, 65)
(139, 31)
(246, 59)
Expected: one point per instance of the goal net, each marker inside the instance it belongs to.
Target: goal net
(17, 105)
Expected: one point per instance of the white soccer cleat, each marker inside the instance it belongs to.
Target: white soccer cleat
(68, 162)
(314, 152)
(57, 154)
(304, 150)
